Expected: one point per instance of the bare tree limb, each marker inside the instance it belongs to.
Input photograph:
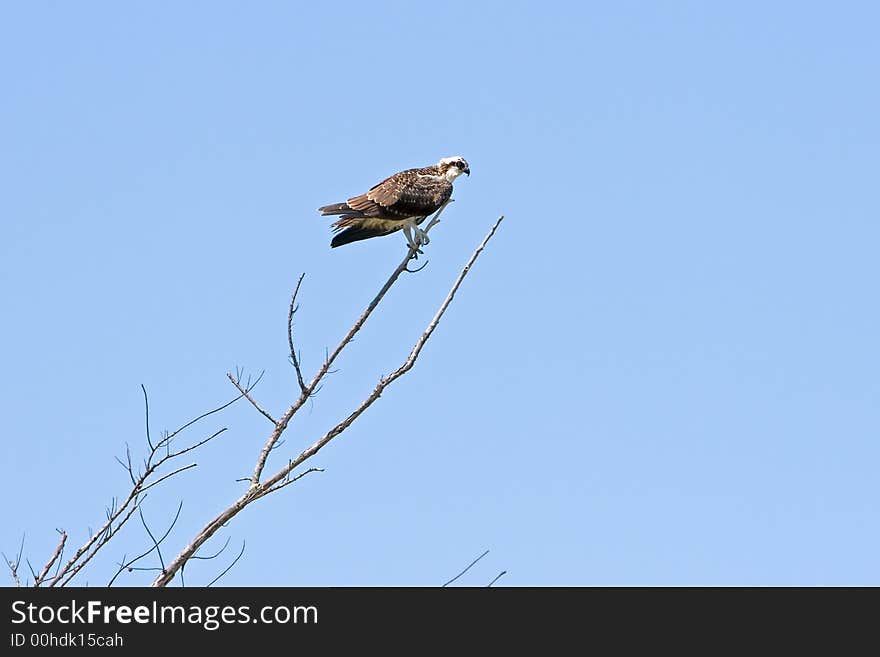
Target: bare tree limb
(293, 357)
(470, 565)
(147, 414)
(258, 487)
(215, 555)
(287, 481)
(31, 568)
(14, 565)
(229, 567)
(388, 380)
(58, 550)
(107, 533)
(503, 572)
(13, 571)
(173, 472)
(121, 513)
(313, 385)
(246, 395)
(153, 538)
(127, 565)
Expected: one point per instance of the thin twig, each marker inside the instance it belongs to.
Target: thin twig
(215, 555)
(147, 414)
(106, 534)
(246, 395)
(14, 565)
(287, 482)
(128, 565)
(55, 555)
(470, 565)
(183, 451)
(229, 567)
(13, 569)
(168, 437)
(293, 357)
(153, 538)
(58, 563)
(436, 219)
(31, 568)
(168, 476)
(503, 572)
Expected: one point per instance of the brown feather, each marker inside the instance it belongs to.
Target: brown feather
(388, 206)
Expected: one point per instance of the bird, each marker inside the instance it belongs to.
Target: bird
(400, 202)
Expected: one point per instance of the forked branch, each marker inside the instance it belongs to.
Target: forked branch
(259, 486)
(160, 452)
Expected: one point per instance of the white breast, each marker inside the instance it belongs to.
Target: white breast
(452, 173)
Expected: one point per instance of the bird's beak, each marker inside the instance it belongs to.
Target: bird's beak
(468, 172)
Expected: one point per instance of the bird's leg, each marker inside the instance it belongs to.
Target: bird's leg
(422, 236)
(407, 230)
(412, 243)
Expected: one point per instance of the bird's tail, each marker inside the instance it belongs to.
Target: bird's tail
(337, 208)
(344, 222)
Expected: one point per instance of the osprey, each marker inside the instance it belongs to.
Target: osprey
(401, 201)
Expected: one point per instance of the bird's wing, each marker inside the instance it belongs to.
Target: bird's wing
(405, 194)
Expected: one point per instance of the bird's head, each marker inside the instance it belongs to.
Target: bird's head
(453, 167)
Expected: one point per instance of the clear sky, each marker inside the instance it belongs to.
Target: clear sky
(663, 369)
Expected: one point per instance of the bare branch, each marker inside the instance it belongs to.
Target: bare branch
(168, 476)
(129, 466)
(58, 550)
(436, 219)
(246, 395)
(31, 568)
(128, 565)
(107, 533)
(503, 572)
(215, 555)
(153, 538)
(13, 569)
(400, 371)
(58, 563)
(100, 538)
(14, 564)
(172, 455)
(287, 482)
(293, 356)
(281, 425)
(417, 269)
(470, 565)
(277, 481)
(169, 436)
(229, 567)
(147, 416)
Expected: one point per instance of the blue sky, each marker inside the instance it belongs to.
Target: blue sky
(663, 369)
